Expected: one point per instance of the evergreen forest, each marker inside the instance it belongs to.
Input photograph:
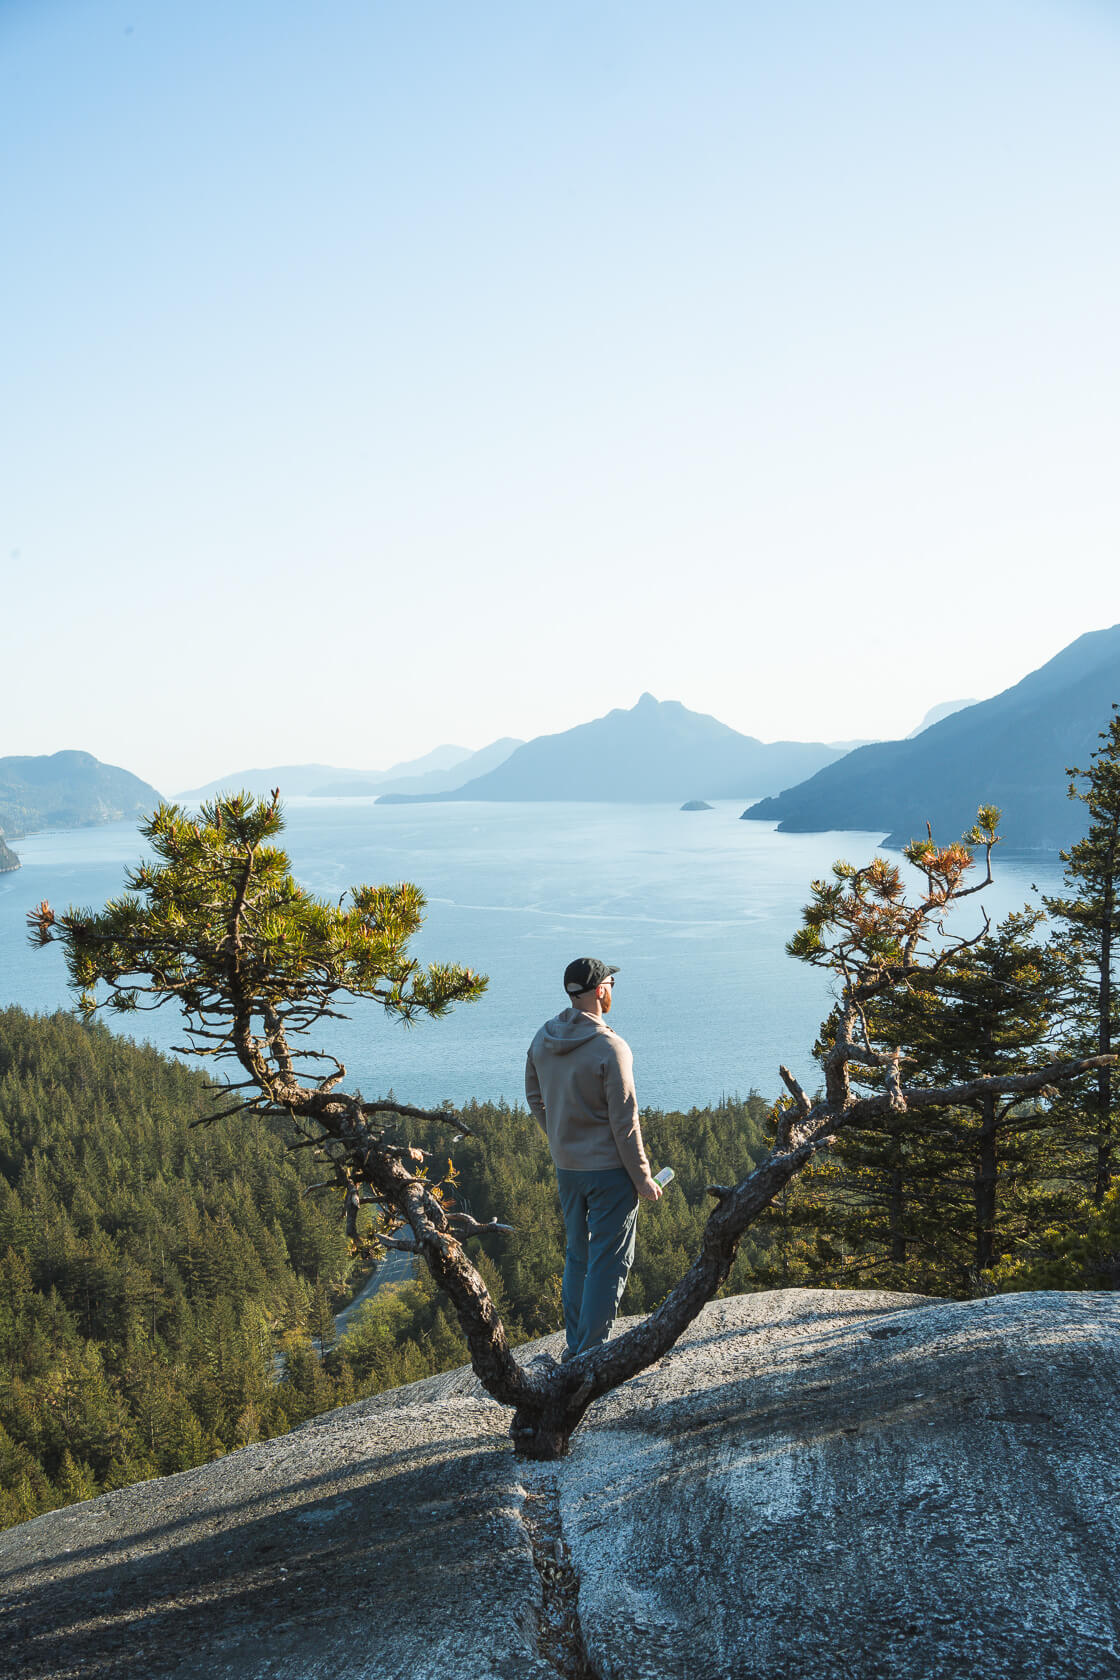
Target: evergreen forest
(998, 1194)
(168, 1288)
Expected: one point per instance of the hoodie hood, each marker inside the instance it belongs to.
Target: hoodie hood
(568, 1031)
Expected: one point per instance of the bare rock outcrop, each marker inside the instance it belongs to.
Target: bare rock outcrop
(813, 1485)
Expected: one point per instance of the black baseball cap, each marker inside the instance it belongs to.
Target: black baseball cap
(585, 974)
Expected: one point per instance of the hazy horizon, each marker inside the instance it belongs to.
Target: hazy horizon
(377, 377)
(396, 768)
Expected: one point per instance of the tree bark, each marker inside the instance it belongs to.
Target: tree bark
(1103, 1175)
(896, 1216)
(985, 1186)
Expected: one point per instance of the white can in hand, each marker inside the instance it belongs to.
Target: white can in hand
(664, 1177)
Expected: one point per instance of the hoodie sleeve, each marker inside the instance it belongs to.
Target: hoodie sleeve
(533, 1092)
(622, 1111)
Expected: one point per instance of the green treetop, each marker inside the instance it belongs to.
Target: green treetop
(220, 925)
(933, 1204)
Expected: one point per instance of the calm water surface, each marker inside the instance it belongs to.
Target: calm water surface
(694, 907)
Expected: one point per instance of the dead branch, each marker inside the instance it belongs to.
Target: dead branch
(445, 1116)
(476, 1227)
(223, 1114)
(795, 1090)
(403, 1244)
(1028, 1084)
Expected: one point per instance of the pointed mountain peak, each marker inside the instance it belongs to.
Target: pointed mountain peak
(657, 750)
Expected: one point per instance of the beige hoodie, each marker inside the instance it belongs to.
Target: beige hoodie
(579, 1082)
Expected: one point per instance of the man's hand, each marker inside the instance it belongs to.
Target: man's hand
(649, 1191)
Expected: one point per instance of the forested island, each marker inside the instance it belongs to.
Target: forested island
(8, 858)
(68, 790)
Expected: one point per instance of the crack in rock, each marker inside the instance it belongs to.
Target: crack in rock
(559, 1634)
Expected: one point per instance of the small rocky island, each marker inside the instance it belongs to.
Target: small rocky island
(696, 805)
(8, 859)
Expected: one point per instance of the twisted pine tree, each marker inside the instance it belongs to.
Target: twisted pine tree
(218, 924)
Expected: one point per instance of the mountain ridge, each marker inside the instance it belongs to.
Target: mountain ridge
(442, 766)
(68, 789)
(1012, 750)
(430, 781)
(935, 714)
(655, 750)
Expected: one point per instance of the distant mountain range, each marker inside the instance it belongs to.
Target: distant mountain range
(1011, 751)
(260, 781)
(68, 790)
(437, 771)
(934, 715)
(433, 781)
(656, 750)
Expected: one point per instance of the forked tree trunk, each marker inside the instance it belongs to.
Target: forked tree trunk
(549, 1404)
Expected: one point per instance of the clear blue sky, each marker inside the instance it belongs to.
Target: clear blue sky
(380, 375)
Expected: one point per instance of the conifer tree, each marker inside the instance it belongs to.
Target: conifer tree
(932, 1206)
(320, 1317)
(1089, 914)
(1078, 1254)
(992, 1011)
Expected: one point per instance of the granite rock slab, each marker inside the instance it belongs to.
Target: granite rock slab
(812, 1485)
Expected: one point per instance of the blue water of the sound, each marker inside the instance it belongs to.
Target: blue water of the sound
(694, 907)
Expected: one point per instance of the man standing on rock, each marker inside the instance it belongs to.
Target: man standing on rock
(579, 1082)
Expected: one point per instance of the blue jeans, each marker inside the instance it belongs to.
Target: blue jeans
(600, 1216)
